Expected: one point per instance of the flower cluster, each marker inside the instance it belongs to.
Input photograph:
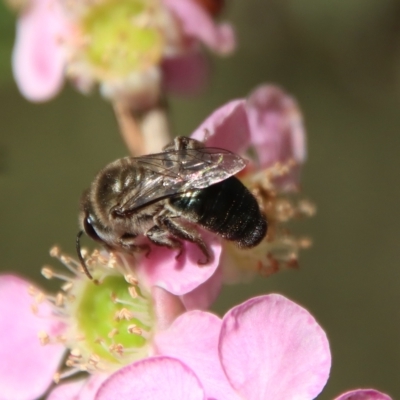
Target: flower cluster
(142, 329)
(139, 342)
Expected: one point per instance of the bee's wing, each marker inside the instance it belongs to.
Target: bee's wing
(178, 171)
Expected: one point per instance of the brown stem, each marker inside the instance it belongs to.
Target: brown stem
(144, 131)
(166, 307)
(154, 125)
(129, 128)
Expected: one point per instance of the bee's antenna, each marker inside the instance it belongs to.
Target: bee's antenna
(81, 259)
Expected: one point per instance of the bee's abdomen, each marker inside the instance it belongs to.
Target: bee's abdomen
(228, 209)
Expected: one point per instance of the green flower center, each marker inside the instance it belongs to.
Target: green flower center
(121, 36)
(115, 319)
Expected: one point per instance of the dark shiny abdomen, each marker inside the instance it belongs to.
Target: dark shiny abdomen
(226, 208)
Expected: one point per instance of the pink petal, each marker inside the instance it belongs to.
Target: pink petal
(67, 391)
(183, 274)
(38, 59)
(271, 348)
(197, 23)
(27, 367)
(193, 339)
(186, 74)
(363, 394)
(153, 378)
(81, 389)
(227, 128)
(167, 307)
(276, 124)
(204, 295)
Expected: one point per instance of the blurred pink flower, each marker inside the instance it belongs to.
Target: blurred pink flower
(50, 44)
(198, 24)
(266, 348)
(363, 394)
(38, 59)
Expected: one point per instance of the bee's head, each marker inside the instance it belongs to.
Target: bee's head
(87, 224)
(87, 219)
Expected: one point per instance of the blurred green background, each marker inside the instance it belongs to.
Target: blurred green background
(341, 59)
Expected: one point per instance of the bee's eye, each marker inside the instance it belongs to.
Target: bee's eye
(89, 230)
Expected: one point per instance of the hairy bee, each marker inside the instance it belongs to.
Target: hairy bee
(164, 196)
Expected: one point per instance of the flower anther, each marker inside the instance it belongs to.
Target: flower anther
(108, 324)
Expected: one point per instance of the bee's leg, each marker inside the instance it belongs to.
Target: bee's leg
(162, 237)
(183, 232)
(127, 241)
(183, 143)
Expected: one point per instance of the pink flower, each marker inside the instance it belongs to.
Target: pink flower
(268, 121)
(100, 327)
(268, 124)
(197, 286)
(38, 58)
(28, 367)
(197, 24)
(265, 348)
(52, 40)
(276, 126)
(363, 394)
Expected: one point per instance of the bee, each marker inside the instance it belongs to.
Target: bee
(165, 196)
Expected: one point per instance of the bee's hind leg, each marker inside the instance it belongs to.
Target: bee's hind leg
(162, 237)
(183, 232)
